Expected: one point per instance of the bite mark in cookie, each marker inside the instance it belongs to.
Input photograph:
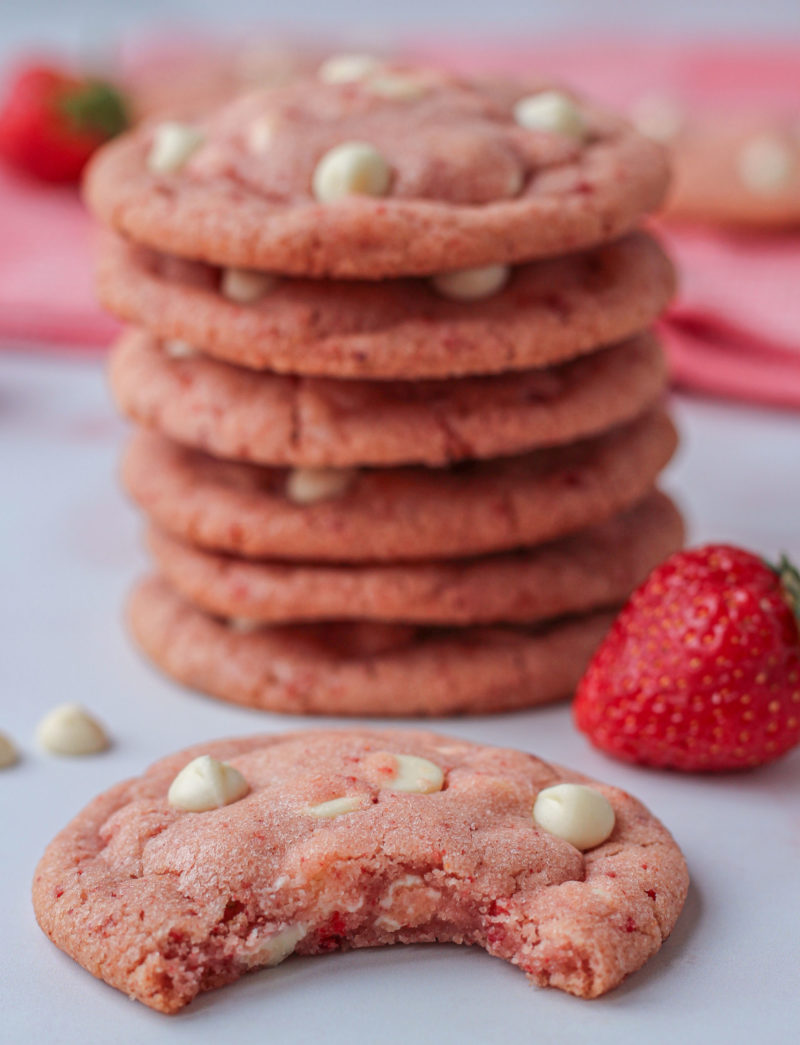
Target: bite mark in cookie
(191, 901)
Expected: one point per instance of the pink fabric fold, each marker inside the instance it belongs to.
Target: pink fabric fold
(734, 330)
(45, 268)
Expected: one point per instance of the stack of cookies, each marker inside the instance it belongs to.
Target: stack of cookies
(398, 405)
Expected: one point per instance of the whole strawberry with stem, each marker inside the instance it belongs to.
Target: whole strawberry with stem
(701, 670)
(51, 121)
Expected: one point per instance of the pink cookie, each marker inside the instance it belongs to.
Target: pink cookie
(364, 668)
(738, 171)
(458, 180)
(163, 903)
(277, 420)
(596, 567)
(547, 311)
(398, 514)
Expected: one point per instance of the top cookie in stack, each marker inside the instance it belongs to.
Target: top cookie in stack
(400, 402)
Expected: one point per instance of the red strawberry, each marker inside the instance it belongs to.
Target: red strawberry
(701, 670)
(51, 123)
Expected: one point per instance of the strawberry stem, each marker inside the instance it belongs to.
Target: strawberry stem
(96, 108)
(790, 582)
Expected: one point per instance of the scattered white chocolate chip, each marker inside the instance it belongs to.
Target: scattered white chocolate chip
(766, 165)
(206, 783)
(69, 729)
(347, 68)
(260, 134)
(350, 169)
(550, 111)
(8, 751)
(657, 117)
(277, 947)
(400, 87)
(245, 286)
(577, 813)
(177, 349)
(336, 807)
(415, 774)
(244, 625)
(173, 144)
(309, 485)
(471, 284)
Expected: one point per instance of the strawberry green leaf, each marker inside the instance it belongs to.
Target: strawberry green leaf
(95, 108)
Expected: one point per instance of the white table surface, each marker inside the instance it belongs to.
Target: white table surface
(731, 971)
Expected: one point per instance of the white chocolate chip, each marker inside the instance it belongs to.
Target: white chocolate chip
(550, 111)
(516, 179)
(408, 881)
(309, 485)
(277, 947)
(260, 134)
(245, 286)
(414, 898)
(173, 144)
(8, 751)
(347, 68)
(177, 349)
(471, 284)
(400, 87)
(69, 729)
(336, 807)
(244, 625)
(657, 117)
(350, 169)
(577, 813)
(414, 774)
(766, 165)
(205, 783)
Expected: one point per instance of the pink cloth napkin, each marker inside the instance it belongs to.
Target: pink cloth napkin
(734, 330)
(45, 268)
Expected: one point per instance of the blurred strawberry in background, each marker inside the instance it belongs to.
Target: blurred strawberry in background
(52, 121)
